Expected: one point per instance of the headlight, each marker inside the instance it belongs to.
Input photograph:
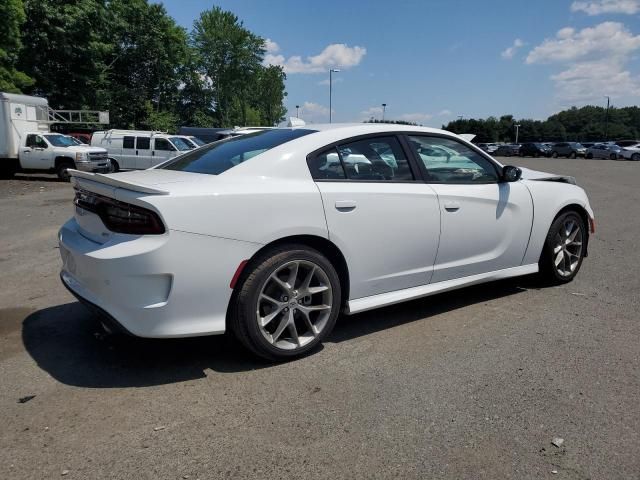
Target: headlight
(82, 157)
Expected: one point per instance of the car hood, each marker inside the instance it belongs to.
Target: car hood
(85, 149)
(528, 174)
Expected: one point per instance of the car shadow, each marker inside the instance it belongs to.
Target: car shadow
(67, 342)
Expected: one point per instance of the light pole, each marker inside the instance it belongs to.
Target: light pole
(331, 71)
(384, 109)
(606, 121)
(517, 131)
(297, 109)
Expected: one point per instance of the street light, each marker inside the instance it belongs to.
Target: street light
(517, 131)
(606, 121)
(297, 108)
(384, 109)
(331, 71)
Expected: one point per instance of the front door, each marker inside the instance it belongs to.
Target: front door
(485, 223)
(36, 153)
(386, 223)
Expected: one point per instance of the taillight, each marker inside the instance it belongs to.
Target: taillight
(120, 217)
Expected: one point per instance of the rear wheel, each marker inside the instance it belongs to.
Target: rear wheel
(287, 304)
(564, 248)
(636, 157)
(554, 154)
(613, 156)
(62, 170)
(8, 169)
(589, 155)
(572, 155)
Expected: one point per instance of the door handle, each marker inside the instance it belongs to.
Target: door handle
(28, 150)
(452, 206)
(345, 205)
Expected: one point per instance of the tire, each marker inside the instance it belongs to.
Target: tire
(62, 170)
(254, 302)
(572, 155)
(554, 154)
(553, 269)
(114, 166)
(635, 157)
(613, 156)
(589, 155)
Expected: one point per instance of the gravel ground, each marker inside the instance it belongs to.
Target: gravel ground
(470, 384)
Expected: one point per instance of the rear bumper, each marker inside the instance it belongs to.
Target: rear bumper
(157, 286)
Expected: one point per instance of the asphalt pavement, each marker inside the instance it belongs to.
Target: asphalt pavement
(473, 384)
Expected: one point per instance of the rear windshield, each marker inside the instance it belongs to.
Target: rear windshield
(219, 157)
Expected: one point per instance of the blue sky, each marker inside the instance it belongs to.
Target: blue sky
(432, 60)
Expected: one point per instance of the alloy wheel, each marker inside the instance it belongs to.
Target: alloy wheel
(294, 304)
(567, 248)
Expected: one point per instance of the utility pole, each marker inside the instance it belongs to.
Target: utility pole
(606, 121)
(384, 109)
(517, 131)
(331, 71)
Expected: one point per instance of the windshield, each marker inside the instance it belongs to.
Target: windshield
(219, 157)
(181, 144)
(60, 140)
(197, 141)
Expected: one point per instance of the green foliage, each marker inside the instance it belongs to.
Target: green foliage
(131, 58)
(576, 124)
(12, 17)
(396, 122)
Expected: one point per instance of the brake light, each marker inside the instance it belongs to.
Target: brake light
(120, 217)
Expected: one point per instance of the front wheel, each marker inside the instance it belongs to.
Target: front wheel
(589, 155)
(62, 170)
(613, 156)
(635, 157)
(564, 248)
(288, 303)
(572, 155)
(113, 166)
(554, 154)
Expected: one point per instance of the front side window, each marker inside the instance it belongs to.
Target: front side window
(375, 159)
(216, 158)
(449, 161)
(128, 142)
(31, 141)
(162, 144)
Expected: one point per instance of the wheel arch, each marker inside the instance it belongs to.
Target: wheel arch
(580, 210)
(60, 159)
(322, 245)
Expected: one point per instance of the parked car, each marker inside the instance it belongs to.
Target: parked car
(568, 149)
(631, 152)
(207, 242)
(27, 145)
(534, 150)
(626, 143)
(207, 135)
(602, 150)
(139, 150)
(507, 150)
(85, 138)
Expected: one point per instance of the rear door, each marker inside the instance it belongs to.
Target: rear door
(143, 153)
(485, 223)
(162, 150)
(382, 217)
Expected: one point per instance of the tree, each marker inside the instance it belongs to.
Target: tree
(268, 95)
(229, 57)
(13, 17)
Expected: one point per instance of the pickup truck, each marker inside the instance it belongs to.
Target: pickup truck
(57, 153)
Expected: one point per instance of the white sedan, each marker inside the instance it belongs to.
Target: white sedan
(273, 234)
(631, 152)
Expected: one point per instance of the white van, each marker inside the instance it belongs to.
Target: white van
(137, 149)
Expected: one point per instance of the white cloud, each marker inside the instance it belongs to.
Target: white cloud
(445, 113)
(511, 51)
(314, 113)
(271, 47)
(594, 60)
(325, 82)
(605, 39)
(336, 55)
(598, 7)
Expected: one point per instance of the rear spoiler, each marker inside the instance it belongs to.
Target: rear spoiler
(114, 182)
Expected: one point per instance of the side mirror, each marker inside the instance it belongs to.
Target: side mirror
(511, 173)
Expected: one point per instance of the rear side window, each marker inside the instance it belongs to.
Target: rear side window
(327, 166)
(127, 142)
(143, 143)
(375, 159)
(216, 158)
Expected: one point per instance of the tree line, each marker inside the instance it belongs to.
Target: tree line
(589, 123)
(131, 58)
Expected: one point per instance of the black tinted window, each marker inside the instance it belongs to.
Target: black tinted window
(143, 143)
(127, 142)
(31, 141)
(327, 166)
(219, 157)
(378, 159)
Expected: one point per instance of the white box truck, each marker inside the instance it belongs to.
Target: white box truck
(27, 144)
